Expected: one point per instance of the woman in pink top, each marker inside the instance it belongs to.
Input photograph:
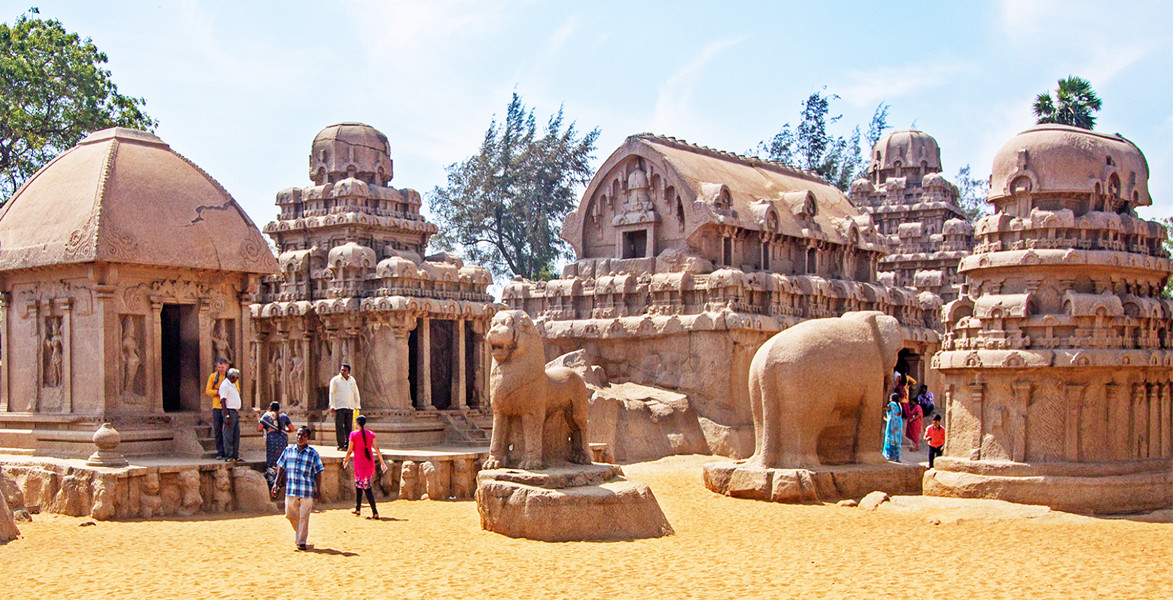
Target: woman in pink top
(365, 451)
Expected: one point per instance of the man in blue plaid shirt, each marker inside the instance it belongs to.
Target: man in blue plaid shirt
(300, 469)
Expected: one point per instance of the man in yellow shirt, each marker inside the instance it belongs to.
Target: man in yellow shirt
(213, 390)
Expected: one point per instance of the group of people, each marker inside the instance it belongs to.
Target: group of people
(297, 468)
(904, 418)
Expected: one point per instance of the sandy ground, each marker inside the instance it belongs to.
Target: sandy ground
(723, 548)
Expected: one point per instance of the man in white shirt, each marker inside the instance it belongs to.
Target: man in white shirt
(344, 401)
(230, 400)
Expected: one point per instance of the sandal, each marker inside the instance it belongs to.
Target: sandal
(374, 517)
(356, 513)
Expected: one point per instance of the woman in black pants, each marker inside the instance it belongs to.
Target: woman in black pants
(365, 451)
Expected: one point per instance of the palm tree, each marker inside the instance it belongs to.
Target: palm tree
(1073, 104)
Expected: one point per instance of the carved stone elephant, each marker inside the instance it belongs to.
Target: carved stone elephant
(803, 375)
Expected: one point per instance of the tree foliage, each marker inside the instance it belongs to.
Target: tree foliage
(972, 194)
(1073, 104)
(503, 206)
(54, 92)
(811, 147)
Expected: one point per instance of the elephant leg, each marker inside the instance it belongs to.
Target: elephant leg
(497, 444)
(755, 405)
(576, 421)
(869, 432)
(767, 452)
(531, 424)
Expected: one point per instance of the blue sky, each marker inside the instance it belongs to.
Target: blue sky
(241, 88)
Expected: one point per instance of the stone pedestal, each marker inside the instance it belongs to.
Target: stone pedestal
(827, 484)
(568, 503)
(1104, 488)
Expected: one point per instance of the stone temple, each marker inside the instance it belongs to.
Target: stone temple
(125, 268)
(1056, 363)
(688, 259)
(356, 288)
(916, 208)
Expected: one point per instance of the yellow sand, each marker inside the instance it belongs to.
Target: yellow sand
(723, 548)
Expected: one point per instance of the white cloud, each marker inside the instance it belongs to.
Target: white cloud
(672, 102)
(865, 88)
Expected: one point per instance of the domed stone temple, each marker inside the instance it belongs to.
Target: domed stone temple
(356, 288)
(916, 209)
(1056, 363)
(124, 267)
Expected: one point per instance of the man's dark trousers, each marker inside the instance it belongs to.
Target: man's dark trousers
(343, 422)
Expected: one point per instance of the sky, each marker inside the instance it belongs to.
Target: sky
(242, 88)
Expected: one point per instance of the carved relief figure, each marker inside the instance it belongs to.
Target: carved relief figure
(221, 344)
(296, 379)
(131, 360)
(52, 352)
(278, 380)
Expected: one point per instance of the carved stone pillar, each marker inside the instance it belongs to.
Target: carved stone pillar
(1074, 397)
(1166, 420)
(459, 395)
(1139, 422)
(1018, 422)
(1154, 402)
(109, 357)
(977, 394)
(402, 392)
(423, 386)
(152, 362)
(205, 324)
(1118, 432)
(4, 362)
(66, 305)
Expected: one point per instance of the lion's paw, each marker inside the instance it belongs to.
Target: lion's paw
(492, 463)
(581, 459)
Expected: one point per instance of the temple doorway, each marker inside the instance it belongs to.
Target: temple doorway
(442, 352)
(179, 357)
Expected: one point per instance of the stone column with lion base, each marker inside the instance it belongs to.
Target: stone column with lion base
(540, 426)
(817, 392)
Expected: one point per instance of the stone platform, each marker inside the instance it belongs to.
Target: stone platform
(1100, 488)
(568, 503)
(827, 484)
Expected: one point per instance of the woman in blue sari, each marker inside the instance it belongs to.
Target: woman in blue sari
(893, 428)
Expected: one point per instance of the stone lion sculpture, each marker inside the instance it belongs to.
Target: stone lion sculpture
(521, 388)
(803, 375)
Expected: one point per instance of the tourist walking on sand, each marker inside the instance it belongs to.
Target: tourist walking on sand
(893, 428)
(365, 451)
(277, 428)
(299, 469)
(914, 416)
(213, 389)
(230, 399)
(344, 400)
(935, 436)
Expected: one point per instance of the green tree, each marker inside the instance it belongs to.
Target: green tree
(503, 207)
(1073, 104)
(54, 92)
(972, 194)
(811, 147)
(1168, 245)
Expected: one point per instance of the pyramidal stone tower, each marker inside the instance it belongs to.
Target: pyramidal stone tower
(1056, 359)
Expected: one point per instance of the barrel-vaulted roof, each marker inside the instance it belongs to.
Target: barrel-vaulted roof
(125, 196)
(724, 188)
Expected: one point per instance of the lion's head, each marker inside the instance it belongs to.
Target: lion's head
(511, 333)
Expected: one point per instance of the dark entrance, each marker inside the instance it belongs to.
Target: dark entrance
(442, 350)
(635, 244)
(470, 379)
(180, 353)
